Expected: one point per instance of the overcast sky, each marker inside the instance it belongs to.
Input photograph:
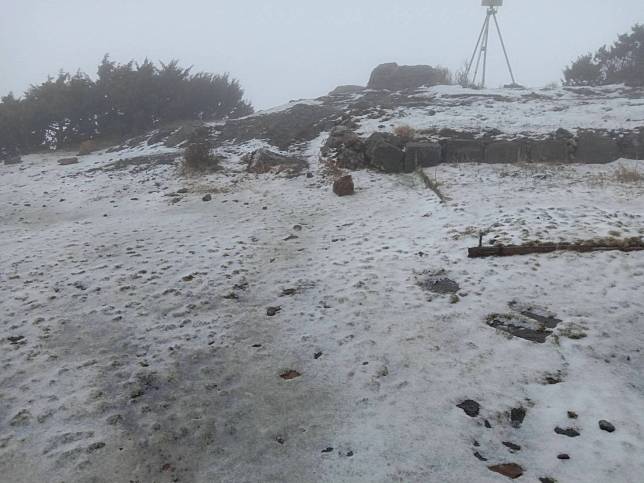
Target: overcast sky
(289, 49)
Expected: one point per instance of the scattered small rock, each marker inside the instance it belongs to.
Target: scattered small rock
(517, 415)
(547, 480)
(606, 426)
(272, 311)
(290, 375)
(344, 186)
(570, 432)
(511, 470)
(479, 457)
(572, 415)
(67, 161)
(207, 198)
(563, 456)
(471, 408)
(512, 446)
(327, 450)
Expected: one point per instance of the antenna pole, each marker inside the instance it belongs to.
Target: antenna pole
(505, 52)
(490, 13)
(482, 46)
(478, 42)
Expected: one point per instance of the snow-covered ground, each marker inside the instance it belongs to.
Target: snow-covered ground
(136, 344)
(515, 111)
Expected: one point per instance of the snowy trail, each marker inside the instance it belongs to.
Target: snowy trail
(137, 346)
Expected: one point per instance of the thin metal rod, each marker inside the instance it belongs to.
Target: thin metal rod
(478, 61)
(505, 52)
(478, 42)
(485, 46)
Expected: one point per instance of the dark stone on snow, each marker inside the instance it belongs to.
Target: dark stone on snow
(67, 161)
(547, 480)
(464, 151)
(207, 198)
(424, 155)
(479, 456)
(344, 186)
(396, 77)
(512, 446)
(570, 432)
(511, 470)
(594, 147)
(272, 311)
(563, 456)
(529, 326)
(517, 416)
(471, 408)
(606, 426)
(437, 283)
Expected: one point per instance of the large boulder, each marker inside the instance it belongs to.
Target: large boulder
(344, 186)
(595, 147)
(396, 77)
(264, 161)
(346, 147)
(384, 152)
(424, 155)
(464, 151)
(506, 152)
(550, 150)
(631, 145)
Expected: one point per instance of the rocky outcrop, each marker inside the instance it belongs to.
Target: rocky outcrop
(501, 152)
(396, 77)
(463, 151)
(423, 154)
(550, 150)
(346, 148)
(300, 123)
(346, 90)
(344, 186)
(264, 161)
(384, 152)
(594, 147)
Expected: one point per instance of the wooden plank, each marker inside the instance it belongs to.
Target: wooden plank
(514, 250)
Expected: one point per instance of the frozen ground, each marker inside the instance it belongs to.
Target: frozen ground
(515, 111)
(136, 344)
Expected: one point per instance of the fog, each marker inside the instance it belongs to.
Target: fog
(292, 48)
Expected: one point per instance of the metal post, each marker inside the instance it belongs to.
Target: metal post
(505, 52)
(476, 49)
(490, 13)
(482, 45)
(486, 26)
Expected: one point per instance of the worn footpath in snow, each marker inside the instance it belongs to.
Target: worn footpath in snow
(135, 343)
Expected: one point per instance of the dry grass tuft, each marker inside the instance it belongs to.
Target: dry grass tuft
(627, 174)
(405, 132)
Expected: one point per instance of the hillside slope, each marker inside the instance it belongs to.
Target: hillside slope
(280, 333)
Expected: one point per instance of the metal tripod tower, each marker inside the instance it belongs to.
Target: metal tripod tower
(482, 44)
